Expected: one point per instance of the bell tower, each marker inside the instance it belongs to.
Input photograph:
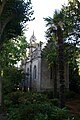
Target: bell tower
(32, 43)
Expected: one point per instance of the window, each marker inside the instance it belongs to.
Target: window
(51, 72)
(34, 72)
(27, 71)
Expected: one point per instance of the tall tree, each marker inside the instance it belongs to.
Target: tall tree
(68, 18)
(71, 21)
(55, 28)
(61, 65)
(74, 83)
(13, 15)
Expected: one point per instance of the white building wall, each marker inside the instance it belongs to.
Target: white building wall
(36, 82)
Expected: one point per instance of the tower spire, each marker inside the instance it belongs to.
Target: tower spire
(32, 42)
(33, 32)
(33, 38)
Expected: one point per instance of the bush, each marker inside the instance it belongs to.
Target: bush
(70, 94)
(13, 114)
(55, 102)
(27, 98)
(34, 106)
(14, 96)
(38, 112)
(41, 116)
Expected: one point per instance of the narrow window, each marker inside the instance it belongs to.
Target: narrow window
(51, 72)
(28, 71)
(34, 72)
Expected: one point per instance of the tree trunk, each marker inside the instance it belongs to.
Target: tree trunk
(0, 74)
(61, 66)
(0, 87)
(55, 79)
(30, 84)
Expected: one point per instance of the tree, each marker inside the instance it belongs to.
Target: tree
(13, 15)
(12, 77)
(54, 27)
(71, 21)
(67, 19)
(74, 82)
(13, 51)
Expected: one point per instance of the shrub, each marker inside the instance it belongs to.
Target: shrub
(35, 111)
(70, 94)
(19, 97)
(41, 116)
(13, 114)
(14, 96)
(34, 106)
(55, 102)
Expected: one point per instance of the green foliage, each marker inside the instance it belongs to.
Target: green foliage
(50, 53)
(74, 77)
(19, 97)
(34, 106)
(14, 114)
(40, 116)
(13, 15)
(7, 101)
(69, 20)
(71, 52)
(13, 51)
(55, 102)
(11, 79)
(70, 94)
(33, 112)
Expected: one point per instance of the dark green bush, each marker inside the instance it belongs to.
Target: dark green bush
(55, 102)
(14, 96)
(34, 106)
(41, 116)
(70, 94)
(13, 114)
(19, 97)
(38, 112)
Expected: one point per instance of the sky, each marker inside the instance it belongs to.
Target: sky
(42, 9)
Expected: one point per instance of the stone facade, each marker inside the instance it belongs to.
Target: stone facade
(39, 73)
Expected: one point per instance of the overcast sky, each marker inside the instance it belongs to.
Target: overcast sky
(42, 9)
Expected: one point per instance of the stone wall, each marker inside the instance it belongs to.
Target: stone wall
(36, 81)
(46, 83)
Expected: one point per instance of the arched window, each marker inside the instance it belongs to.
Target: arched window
(28, 71)
(34, 72)
(51, 72)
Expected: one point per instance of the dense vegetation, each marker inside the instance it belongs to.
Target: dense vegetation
(28, 105)
(34, 106)
(63, 34)
(13, 15)
(21, 105)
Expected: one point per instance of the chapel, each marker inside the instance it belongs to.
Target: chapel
(40, 77)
